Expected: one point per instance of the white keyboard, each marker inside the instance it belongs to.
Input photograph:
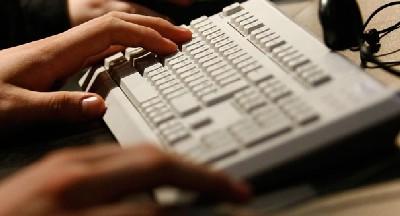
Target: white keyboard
(250, 91)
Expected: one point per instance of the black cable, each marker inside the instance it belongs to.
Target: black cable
(379, 10)
(371, 45)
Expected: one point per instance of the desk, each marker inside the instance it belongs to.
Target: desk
(18, 153)
(305, 13)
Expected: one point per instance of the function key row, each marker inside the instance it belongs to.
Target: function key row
(270, 42)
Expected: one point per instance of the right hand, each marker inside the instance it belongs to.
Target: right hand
(93, 181)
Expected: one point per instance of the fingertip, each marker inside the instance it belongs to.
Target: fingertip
(93, 106)
(184, 34)
(170, 46)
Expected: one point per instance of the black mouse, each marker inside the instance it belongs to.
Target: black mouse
(341, 22)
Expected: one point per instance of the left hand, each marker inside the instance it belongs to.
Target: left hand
(30, 71)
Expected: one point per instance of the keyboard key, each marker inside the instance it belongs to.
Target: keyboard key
(172, 89)
(199, 20)
(212, 62)
(299, 61)
(245, 63)
(198, 152)
(258, 31)
(248, 29)
(222, 43)
(251, 102)
(114, 60)
(233, 17)
(273, 44)
(210, 31)
(231, 51)
(232, 9)
(318, 79)
(154, 70)
(217, 66)
(285, 47)
(133, 53)
(258, 76)
(185, 105)
(269, 115)
(145, 61)
(227, 47)
(163, 80)
(203, 85)
(218, 39)
(222, 144)
(239, 19)
(205, 28)
(224, 93)
(216, 34)
(248, 133)
(255, 66)
(230, 79)
(297, 109)
(175, 133)
(243, 23)
(137, 89)
(162, 118)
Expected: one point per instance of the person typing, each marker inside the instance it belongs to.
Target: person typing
(76, 181)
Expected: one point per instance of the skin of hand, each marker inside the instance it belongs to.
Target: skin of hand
(95, 181)
(29, 72)
(81, 11)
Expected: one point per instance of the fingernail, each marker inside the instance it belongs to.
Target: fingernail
(93, 107)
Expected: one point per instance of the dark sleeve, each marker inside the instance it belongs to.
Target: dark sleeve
(27, 20)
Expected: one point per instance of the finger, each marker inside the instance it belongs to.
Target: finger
(66, 53)
(62, 105)
(86, 154)
(164, 27)
(142, 168)
(77, 45)
(144, 36)
(100, 57)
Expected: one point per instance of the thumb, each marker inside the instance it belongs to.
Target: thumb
(67, 106)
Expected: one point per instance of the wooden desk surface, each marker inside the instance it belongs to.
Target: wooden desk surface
(305, 13)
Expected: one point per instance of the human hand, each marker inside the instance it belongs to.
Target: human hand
(30, 71)
(95, 181)
(81, 11)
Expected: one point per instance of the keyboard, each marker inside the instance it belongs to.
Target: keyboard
(251, 91)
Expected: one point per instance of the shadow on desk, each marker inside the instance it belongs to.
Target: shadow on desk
(27, 146)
